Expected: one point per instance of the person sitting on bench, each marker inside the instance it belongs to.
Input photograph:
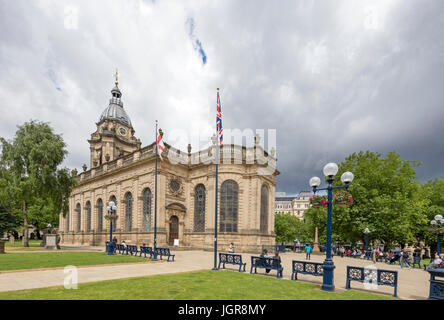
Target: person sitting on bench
(276, 256)
(435, 263)
(265, 255)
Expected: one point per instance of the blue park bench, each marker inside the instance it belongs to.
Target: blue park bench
(436, 285)
(229, 258)
(372, 275)
(146, 250)
(306, 267)
(130, 249)
(266, 263)
(119, 248)
(164, 252)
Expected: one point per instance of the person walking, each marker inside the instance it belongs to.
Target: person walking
(374, 255)
(404, 259)
(308, 251)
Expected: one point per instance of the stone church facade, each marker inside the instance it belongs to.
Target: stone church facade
(123, 171)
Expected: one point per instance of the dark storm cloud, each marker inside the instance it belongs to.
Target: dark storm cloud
(331, 77)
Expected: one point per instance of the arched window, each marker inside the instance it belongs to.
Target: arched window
(264, 209)
(113, 199)
(146, 220)
(67, 221)
(79, 217)
(99, 215)
(228, 206)
(199, 208)
(128, 211)
(88, 216)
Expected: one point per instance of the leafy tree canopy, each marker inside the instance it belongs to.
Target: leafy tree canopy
(31, 183)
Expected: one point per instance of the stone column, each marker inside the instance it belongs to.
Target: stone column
(316, 244)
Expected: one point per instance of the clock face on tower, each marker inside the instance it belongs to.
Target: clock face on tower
(122, 131)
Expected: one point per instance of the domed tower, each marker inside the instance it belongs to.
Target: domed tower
(114, 136)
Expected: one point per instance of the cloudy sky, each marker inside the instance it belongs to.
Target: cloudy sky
(331, 77)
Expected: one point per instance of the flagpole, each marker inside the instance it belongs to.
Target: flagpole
(216, 193)
(155, 203)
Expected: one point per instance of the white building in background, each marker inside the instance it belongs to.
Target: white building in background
(294, 205)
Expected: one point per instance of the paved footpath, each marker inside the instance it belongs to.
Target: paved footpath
(412, 283)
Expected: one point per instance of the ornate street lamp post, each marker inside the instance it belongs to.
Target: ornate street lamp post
(330, 170)
(112, 211)
(366, 231)
(436, 227)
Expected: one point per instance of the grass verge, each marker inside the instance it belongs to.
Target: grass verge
(36, 260)
(198, 285)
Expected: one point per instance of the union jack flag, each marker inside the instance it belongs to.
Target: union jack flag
(219, 120)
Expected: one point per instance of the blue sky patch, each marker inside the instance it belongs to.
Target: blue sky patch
(197, 45)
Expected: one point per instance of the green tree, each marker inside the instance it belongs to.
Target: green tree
(316, 217)
(288, 228)
(31, 184)
(387, 199)
(8, 222)
(433, 194)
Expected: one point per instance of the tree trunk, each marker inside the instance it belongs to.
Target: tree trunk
(25, 229)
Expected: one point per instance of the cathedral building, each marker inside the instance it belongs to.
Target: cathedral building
(123, 171)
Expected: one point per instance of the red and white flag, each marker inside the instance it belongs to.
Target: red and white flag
(160, 145)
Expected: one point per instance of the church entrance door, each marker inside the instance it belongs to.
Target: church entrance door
(174, 229)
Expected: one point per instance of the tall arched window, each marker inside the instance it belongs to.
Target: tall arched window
(99, 215)
(199, 208)
(264, 209)
(128, 211)
(79, 217)
(113, 199)
(228, 206)
(146, 220)
(88, 216)
(67, 221)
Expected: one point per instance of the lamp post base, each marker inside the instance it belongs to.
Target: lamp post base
(110, 249)
(328, 280)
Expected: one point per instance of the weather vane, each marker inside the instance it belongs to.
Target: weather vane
(117, 77)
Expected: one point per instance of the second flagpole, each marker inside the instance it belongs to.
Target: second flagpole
(155, 202)
(216, 193)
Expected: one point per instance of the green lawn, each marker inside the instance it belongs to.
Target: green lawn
(15, 261)
(34, 245)
(19, 243)
(199, 285)
(18, 246)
